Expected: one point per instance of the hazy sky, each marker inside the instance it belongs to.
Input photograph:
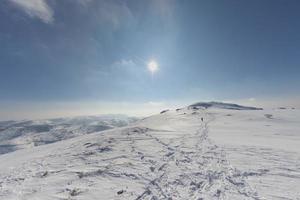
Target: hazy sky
(83, 53)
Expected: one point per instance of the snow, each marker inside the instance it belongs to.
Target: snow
(232, 154)
(269, 147)
(16, 135)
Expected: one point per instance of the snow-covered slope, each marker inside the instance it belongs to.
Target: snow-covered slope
(16, 135)
(231, 154)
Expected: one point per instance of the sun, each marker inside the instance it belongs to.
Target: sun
(152, 66)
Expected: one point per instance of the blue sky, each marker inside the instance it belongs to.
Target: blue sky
(93, 54)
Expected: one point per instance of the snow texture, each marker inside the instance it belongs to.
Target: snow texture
(231, 154)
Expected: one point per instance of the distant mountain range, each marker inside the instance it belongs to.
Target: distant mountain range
(16, 135)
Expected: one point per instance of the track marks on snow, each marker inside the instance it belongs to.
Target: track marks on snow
(144, 164)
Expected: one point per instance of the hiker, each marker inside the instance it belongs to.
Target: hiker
(201, 118)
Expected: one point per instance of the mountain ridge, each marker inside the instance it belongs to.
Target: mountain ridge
(222, 105)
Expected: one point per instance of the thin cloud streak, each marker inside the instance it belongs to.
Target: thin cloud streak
(36, 9)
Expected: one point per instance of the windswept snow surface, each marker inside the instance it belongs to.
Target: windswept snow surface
(231, 154)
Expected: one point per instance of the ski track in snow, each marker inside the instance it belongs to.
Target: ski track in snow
(138, 163)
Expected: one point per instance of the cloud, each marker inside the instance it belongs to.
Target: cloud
(116, 14)
(124, 66)
(155, 104)
(252, 99)
(84, 2)
(36, 9)
(164, 8)
(125, 63)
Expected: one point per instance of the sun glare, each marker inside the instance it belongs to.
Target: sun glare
(152, 66)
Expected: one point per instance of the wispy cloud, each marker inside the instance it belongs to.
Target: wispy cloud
(116, 14)
(155, 104)
(120, 14)
(84, 2)
(36, 9)
(164, 8)
(124, 63)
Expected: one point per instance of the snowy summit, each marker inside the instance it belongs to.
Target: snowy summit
(222, 105)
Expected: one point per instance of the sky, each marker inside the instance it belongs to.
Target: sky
(78, 57)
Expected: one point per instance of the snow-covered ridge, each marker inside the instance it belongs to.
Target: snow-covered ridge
(16, 135)
(222, 105)
(214, 154)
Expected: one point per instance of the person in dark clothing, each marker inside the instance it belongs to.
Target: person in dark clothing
(201, 118)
